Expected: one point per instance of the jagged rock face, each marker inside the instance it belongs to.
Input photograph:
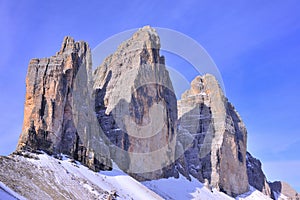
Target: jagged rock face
(256, 176)
(216, 150)
(136, 107)
(58, 106)
(285, 189)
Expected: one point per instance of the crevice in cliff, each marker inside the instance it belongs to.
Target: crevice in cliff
(239, 137)
(43, 101)
(199, 123)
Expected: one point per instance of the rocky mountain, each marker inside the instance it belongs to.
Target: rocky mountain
(218, 150)
(256, 176)
(136, 107)
(282, 188)
(54, 119)
(126, 114)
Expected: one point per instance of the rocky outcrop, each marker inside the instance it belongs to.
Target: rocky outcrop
(258, 180)
(136, 107)
(216, 146)
(59, 109)
(280, 187)
(256, 176)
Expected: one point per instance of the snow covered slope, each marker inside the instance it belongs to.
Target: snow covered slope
(184, 189)
(44, 177)
(39, 176)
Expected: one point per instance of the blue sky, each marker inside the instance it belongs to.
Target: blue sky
(255, 44)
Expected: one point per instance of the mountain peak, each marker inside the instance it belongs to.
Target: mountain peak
(136, 106)
(67, 45)
(54, 119)
(145, 37)
(219, 137)
(146, 29)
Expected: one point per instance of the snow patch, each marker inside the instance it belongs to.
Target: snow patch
(253, 194)
(184, 189)
(279, 196)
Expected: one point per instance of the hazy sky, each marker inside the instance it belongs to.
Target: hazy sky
(256, 46)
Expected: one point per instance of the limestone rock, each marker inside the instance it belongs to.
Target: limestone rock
(136, 107)
(256, 176)
(59, 108)
(217, 151)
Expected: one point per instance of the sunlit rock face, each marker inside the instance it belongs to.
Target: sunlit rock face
(58, 107)
(137, 108)
(216, 148)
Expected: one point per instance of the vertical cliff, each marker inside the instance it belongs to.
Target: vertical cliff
(58, 107)
(256, 176)
(136, 107)
(218, 149)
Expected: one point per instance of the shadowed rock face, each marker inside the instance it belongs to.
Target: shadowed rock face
(285, 189)
(217, 149)
(258, 180)
(137, 108)
(58, 106)
(256, 176)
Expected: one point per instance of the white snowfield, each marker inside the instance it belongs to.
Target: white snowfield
(116, 184)
(184, 189)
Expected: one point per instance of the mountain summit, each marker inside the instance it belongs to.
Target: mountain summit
(136, 107)
(218, 150)
(54, 119)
